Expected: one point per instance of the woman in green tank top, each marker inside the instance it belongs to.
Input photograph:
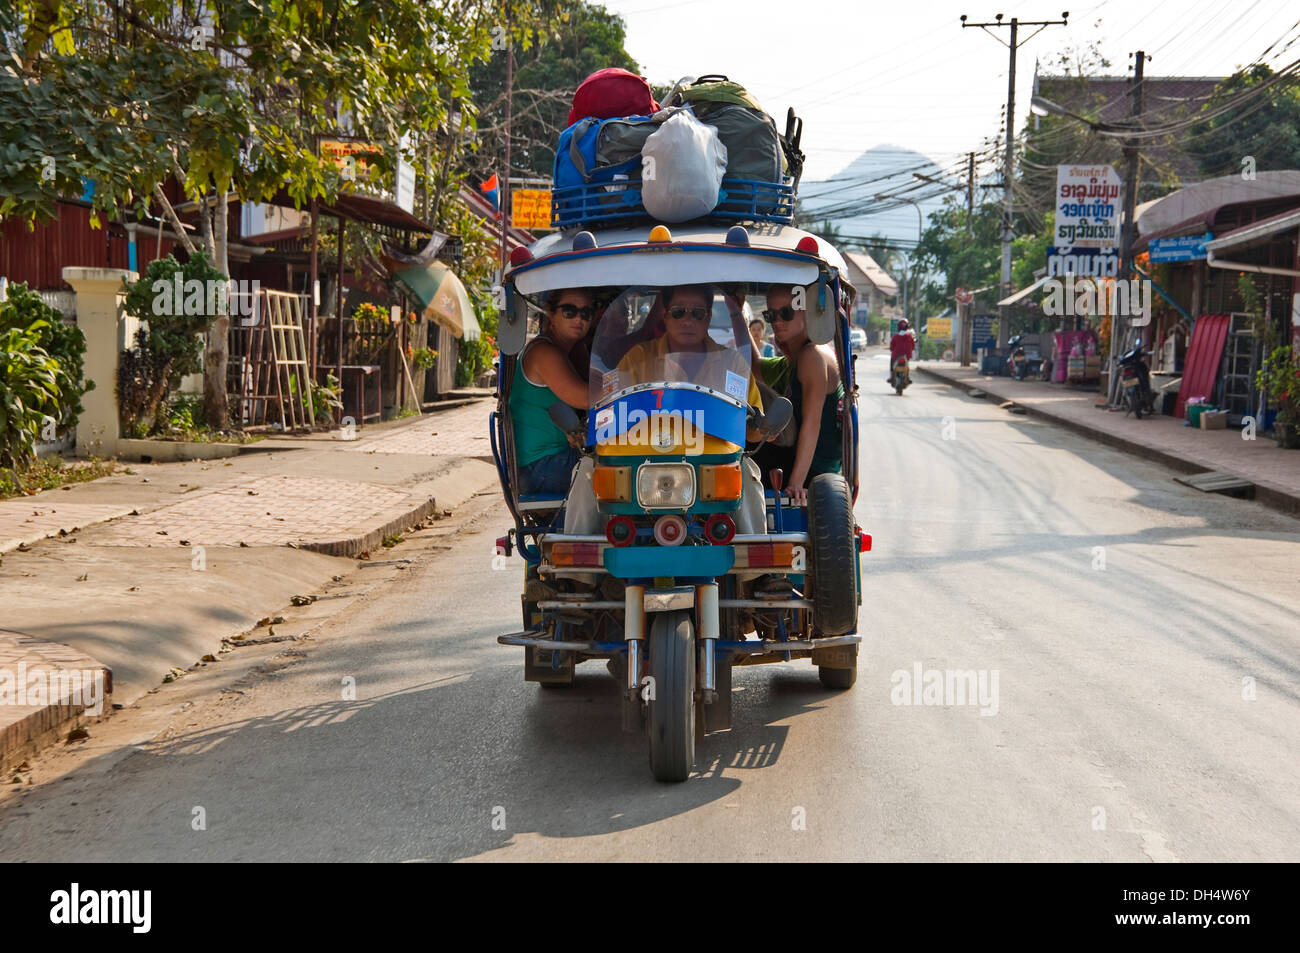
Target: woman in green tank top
(815, 391)
(545, 374)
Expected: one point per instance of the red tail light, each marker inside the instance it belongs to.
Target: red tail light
(720, 529)
(620, 531)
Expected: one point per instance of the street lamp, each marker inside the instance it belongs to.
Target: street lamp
(920, 227)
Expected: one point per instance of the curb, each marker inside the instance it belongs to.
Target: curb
(43, 725)
(1276, 499)
(355, 545)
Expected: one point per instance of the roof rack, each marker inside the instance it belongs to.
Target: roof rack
(610, 203)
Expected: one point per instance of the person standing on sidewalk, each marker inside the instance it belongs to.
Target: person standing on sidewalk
(543, 452)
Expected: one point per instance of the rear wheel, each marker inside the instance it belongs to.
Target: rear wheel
(1135, 402)
(840, 678)
(671, 715)
(898, 384)
(834, 555)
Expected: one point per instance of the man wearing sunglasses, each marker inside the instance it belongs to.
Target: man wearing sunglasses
(687, 313)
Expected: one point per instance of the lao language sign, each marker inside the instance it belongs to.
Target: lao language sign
(981, 332)
(1191, 248)
(1087, 206)
(1083, 262)
(530, 208)
(940, 329)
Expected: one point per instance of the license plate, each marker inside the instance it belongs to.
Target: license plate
(1130, 382)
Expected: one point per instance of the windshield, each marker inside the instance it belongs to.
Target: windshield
(698, 336)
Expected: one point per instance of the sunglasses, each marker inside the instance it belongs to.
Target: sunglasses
(573, 311)
(699, 314)
(779, 314)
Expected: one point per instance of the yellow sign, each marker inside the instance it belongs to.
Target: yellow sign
(940, 329)
(349, 157)
(530, 208)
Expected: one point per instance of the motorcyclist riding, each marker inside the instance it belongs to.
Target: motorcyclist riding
(902, 343)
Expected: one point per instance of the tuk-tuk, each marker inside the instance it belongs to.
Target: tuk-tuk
(663, 585)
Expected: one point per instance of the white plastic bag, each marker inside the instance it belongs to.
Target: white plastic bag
(682, 164)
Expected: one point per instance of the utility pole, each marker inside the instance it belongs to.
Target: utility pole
(1129, 233)
(1008, 211)
(503, 205)
(970, 189)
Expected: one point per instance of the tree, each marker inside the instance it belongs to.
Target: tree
(557, 55)
(224, 96)
(961, 258)
(1262, 123)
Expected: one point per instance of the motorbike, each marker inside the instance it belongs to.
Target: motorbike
(900, 375)
(1021, 364)
(1135, 383)
(687, 573)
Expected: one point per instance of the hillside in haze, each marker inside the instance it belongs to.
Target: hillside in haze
(847, 199)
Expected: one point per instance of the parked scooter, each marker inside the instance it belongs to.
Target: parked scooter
(1021, 364)
(1135, 382)
(901, 376)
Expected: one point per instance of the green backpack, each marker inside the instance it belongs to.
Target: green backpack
(754, 147)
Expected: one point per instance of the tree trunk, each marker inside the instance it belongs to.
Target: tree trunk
(215, 406)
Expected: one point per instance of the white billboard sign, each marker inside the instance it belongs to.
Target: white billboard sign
(1087, 206)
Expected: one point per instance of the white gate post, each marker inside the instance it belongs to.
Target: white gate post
(108, 331)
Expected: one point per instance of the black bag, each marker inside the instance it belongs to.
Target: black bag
(756, 151)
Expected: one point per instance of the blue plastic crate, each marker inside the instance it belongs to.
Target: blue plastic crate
(607, 204)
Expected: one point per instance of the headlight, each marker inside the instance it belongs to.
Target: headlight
(665, 485)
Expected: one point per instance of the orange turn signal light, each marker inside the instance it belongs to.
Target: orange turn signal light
(612, 484)
(721, 482)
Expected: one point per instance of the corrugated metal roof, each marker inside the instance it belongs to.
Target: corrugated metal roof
(1257, 231)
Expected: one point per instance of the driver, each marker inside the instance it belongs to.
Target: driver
(679, 354)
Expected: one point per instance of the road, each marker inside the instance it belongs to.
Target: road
(1141, 638)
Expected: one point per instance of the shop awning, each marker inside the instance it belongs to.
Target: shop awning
(1024, 292)
(1257, 231)
(443, 296)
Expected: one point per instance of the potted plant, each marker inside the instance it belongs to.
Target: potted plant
(1280, 380)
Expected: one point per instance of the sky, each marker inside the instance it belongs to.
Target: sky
(866, 73)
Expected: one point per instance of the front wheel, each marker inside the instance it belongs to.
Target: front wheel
(671, 716)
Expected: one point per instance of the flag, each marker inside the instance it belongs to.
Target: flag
(492, 191)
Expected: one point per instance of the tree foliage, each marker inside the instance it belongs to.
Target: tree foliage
(63, 342)
(578, 39)
(1265, 126)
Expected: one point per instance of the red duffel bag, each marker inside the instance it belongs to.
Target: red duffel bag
(612, 92)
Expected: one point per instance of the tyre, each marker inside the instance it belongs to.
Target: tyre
(834, 555)
(899, 385)
(1135, 403)
(670, 718)
(839, 678)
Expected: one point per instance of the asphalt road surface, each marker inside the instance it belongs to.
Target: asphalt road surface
(1135, 642)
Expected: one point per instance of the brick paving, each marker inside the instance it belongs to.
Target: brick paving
(267, 511)
(1258, 461)
(462, 431)
(24, 521)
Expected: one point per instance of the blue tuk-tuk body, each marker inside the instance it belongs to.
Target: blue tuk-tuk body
(667, 589)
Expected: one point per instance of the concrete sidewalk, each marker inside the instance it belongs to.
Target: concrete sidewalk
(1274, 472)
(148, 570)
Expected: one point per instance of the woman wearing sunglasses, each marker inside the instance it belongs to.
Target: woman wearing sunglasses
(546, 374)
(815, 392)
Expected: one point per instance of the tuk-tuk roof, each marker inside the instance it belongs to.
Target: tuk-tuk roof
(696, 253)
